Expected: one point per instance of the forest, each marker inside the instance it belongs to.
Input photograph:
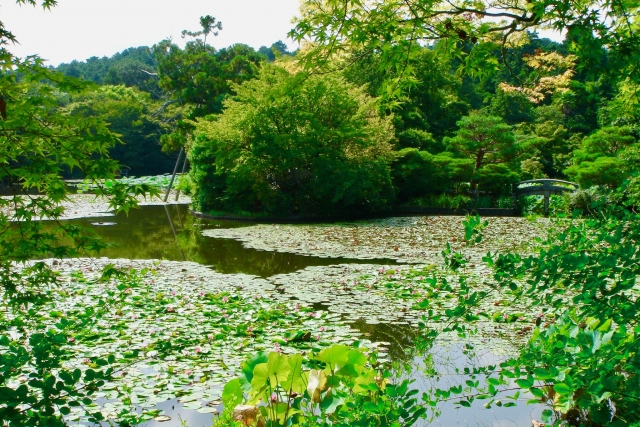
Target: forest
(456, 137)
(385, 104)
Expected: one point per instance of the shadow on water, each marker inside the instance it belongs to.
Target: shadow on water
(171, 233)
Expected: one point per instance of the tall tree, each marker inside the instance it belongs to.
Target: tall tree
(129, 113)
(208, 24)
(485, 139)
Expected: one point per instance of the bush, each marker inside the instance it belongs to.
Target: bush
(449, 201)
(601, 171)
(587, 200)
(292, 144)
(497, 179)
(415, 174)
(458, 172)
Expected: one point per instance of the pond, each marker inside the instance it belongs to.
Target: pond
(172, 233)
(295, 274)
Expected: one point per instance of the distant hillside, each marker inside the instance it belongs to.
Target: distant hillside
(131, 67)
(136, 66)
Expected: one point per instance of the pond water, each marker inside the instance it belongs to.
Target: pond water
(171, 233)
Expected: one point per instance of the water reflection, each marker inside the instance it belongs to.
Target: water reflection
(399, 338)
(443, 367)
(171, 233)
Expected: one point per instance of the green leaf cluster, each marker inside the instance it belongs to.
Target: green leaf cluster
(293, 144)
(335, 386)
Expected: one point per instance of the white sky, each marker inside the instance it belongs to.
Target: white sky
(80, 29)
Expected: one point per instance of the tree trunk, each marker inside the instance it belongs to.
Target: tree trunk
(476, 168)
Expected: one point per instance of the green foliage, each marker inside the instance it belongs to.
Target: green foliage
(488, 141)
(585, 362)
(466, 31)
(129, 113)
(208, 24)
(459, 172)
(277, 50)
(291, 144)
(497, 179)
(559, 206)
(134, 66)
(532, 169)
(158, 182)
(37, 142)
(582, 356)
(51, 390)
(426, 113)
(512, 107)
(557, 143)
(201, 76)
(607, 141)
(134, 73)
(606, 157)
(473, 228)
(415, 174)
(335, 386)
(601, 171)
(449, 201)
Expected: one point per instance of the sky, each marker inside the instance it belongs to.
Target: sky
(80, 29)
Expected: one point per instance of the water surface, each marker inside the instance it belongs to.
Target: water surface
(171, 233)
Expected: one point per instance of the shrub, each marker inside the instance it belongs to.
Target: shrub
(458, 172)
(450, 201)
(601, 171)
(415, 174)
(293, 144)
(497, 179)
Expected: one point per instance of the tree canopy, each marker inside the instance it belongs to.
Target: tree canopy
(477, 33)
(296, 145)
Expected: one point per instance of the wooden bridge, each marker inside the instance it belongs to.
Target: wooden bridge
(544, 187)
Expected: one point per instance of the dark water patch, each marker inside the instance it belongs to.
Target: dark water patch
(398, 339)
(171, 233)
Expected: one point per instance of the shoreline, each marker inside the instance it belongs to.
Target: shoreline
(78, 206)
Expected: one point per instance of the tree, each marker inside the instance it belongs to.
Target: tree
(427, 112)
(603, 171)
(470, 30)
(607, 141)
(134, 73)
(415, 174)
(276, 50)
(129, 113)
(485, 139)
(292, 144)
(208, 24)
(606, 157)
(199, 78)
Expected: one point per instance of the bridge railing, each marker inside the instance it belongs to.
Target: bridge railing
(571, 186)
(544, 187)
